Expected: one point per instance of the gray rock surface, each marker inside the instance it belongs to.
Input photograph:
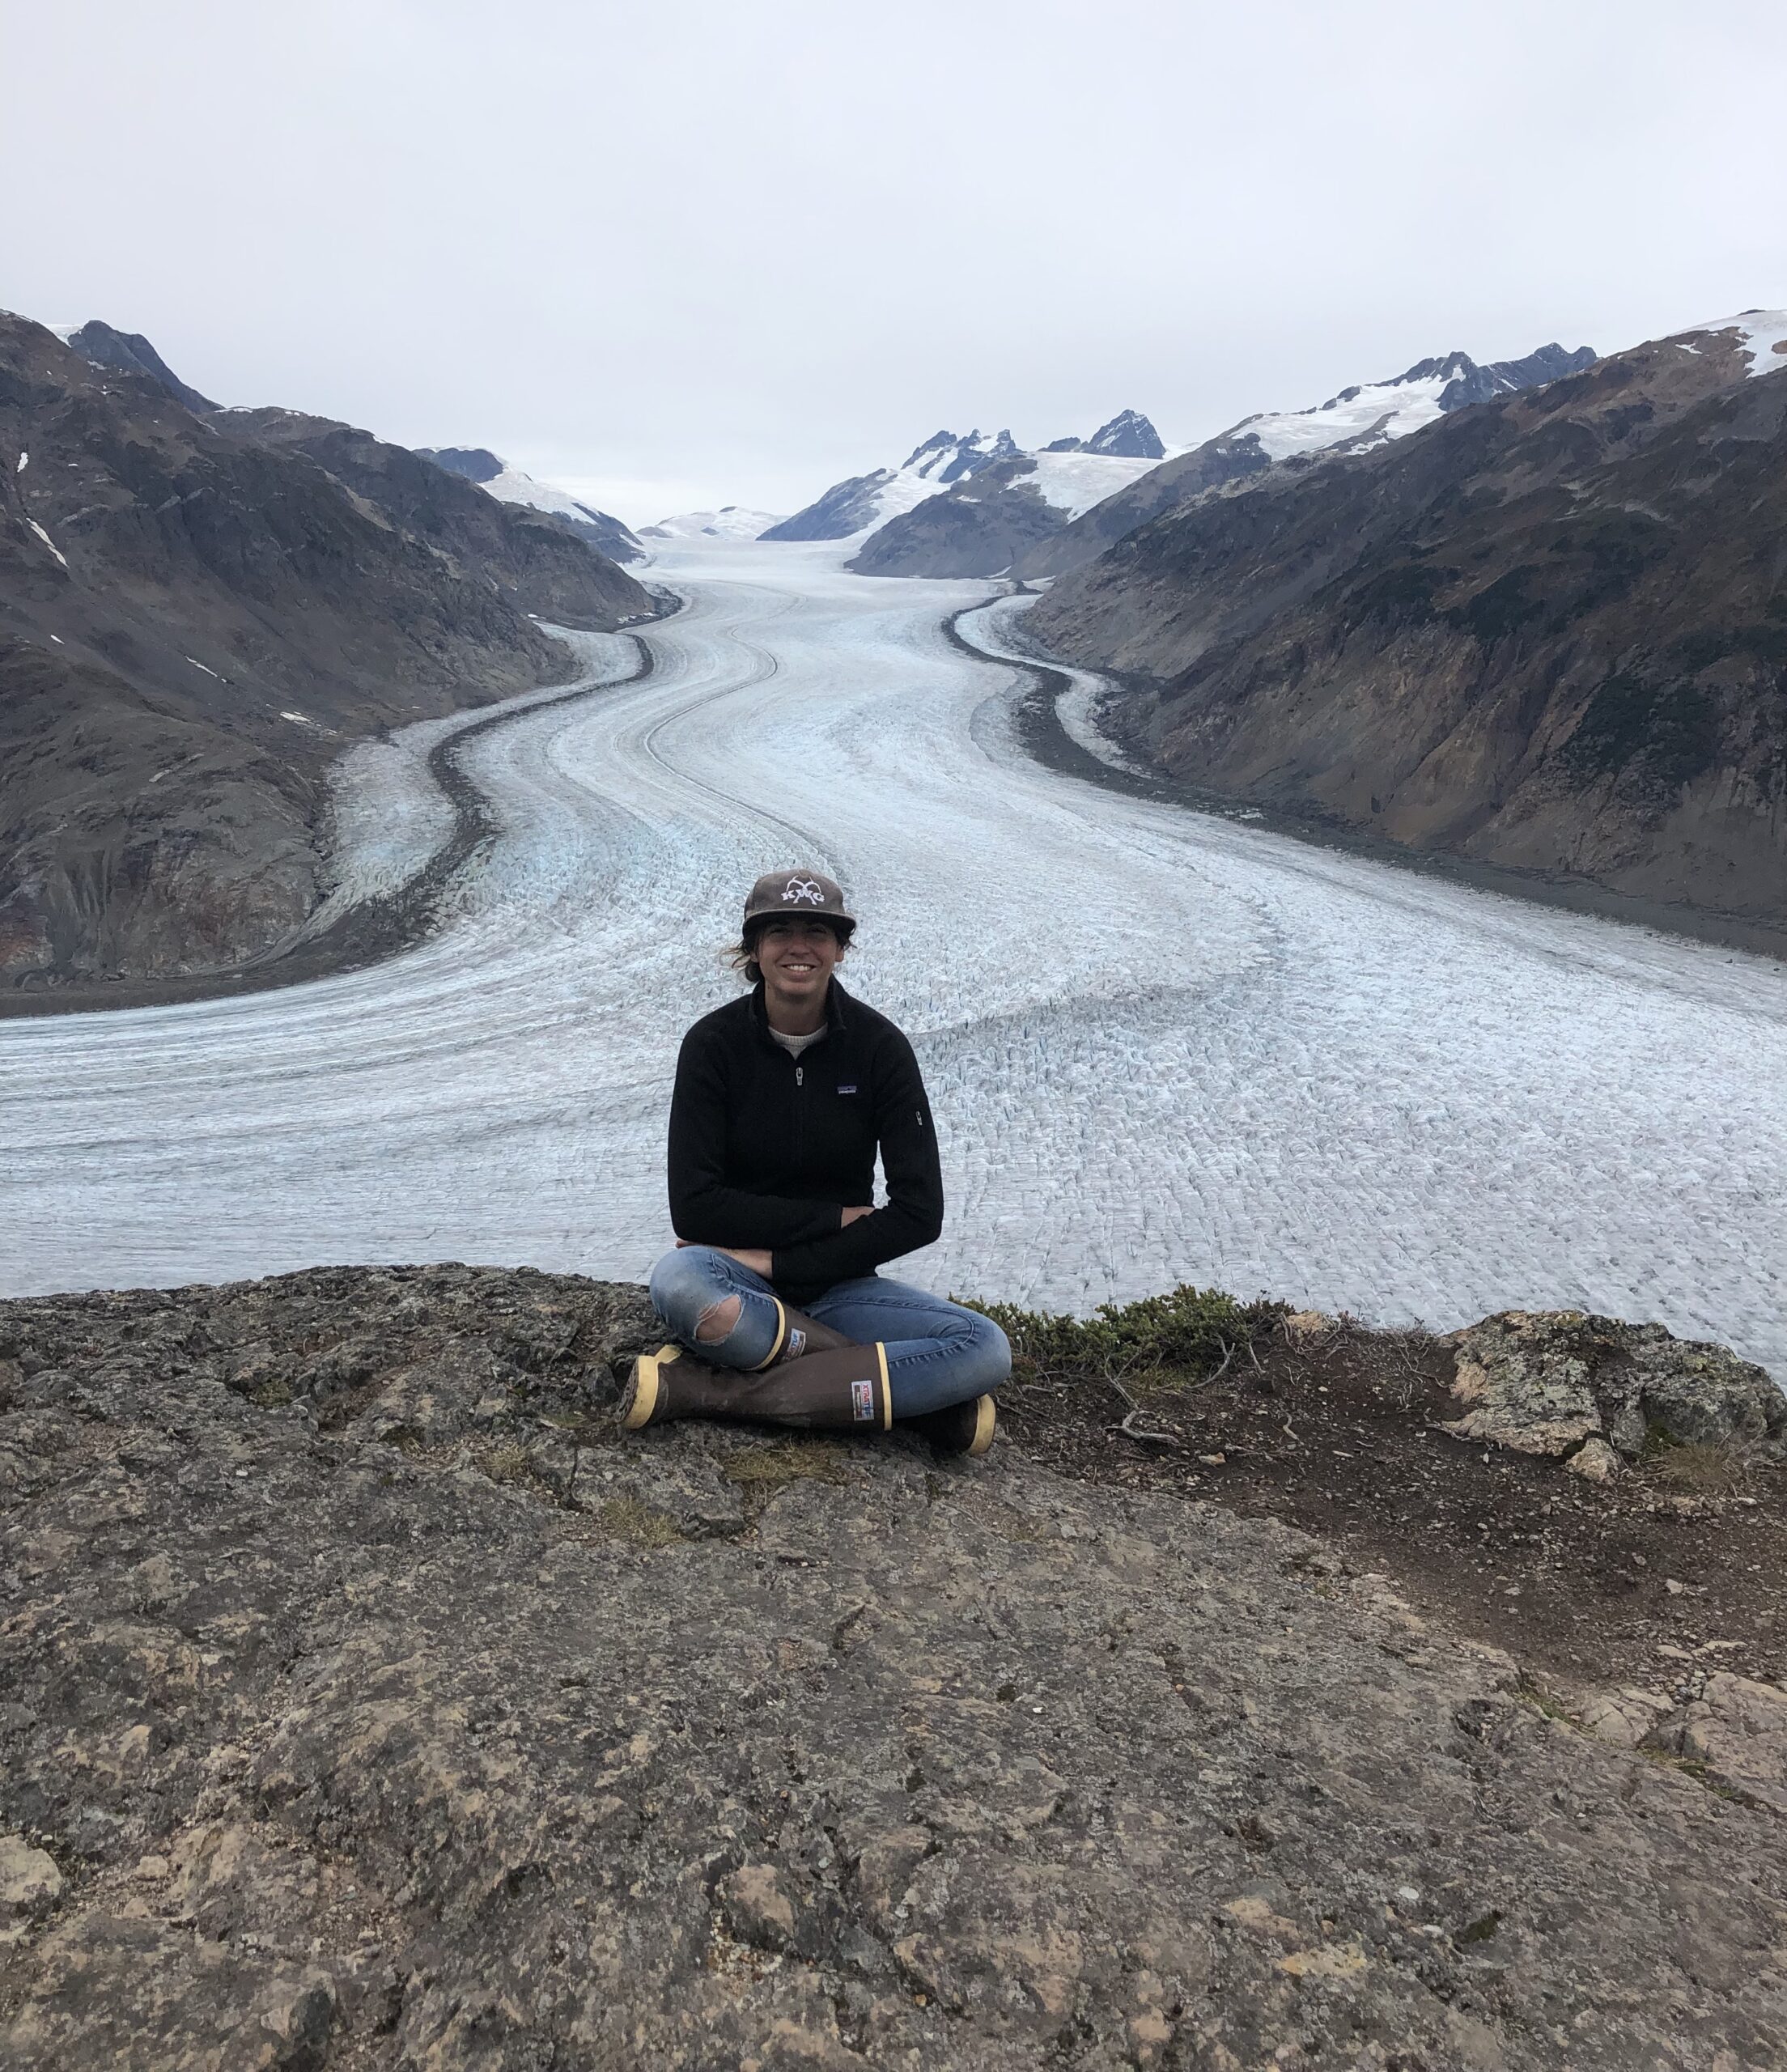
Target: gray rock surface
(476, 464)
(377, 1706)
(1559, 1382)
(1129, 435)
(1737, 1728)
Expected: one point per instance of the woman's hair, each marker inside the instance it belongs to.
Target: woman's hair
(742, 955)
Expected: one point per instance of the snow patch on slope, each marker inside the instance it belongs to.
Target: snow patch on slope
(48, 541)
(512, 486)
(1365, 416)
(1073, 482)
(1764, 333)
(929, 469)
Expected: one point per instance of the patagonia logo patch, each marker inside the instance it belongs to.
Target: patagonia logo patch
(846, 1089)
(862, 1401)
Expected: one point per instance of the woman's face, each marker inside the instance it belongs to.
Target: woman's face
(797, 958)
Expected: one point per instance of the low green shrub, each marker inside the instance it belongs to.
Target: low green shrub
(1166, 1340)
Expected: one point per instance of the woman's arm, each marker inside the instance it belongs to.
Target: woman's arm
(913, 1214)
(703, 1209)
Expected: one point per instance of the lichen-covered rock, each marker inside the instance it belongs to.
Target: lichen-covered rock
(30, 1883)
(1594, 1460)
(1561, 1383)
(383, 1706)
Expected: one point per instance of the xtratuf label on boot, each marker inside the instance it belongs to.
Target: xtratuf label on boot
(862, 1401)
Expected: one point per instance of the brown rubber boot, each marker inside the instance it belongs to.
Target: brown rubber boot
(844, 1389)
(959, 1428)
(797, 1334)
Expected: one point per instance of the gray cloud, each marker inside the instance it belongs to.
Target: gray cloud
(719, 252)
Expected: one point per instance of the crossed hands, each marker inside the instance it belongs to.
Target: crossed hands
(758, 1257)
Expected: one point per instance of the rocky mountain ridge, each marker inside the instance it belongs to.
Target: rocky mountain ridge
(997, 509)
(1356, 420)
(370, 1701)
(996, 488)
(1548, 632)
(197, 610)
(508, 485)
(1127, 436)
(129, 352)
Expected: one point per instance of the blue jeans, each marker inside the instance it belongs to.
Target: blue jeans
(937, 1352)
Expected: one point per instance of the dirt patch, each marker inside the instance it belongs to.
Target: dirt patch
(1671, 1569)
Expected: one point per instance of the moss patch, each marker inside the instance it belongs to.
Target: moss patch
(626, 1517)
(1165, 1341)
(508, 1463)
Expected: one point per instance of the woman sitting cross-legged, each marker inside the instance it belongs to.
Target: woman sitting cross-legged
(782, 1099)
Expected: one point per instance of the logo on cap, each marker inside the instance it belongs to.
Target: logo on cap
(798, 888)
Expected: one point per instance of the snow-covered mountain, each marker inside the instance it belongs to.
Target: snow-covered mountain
(863, 502)
(1070, 475)
(1356, 420)
(1360, 418)
(732, 521)
(966, 505)
(509, 485)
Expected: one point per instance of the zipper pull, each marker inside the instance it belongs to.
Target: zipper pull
(799, 1074)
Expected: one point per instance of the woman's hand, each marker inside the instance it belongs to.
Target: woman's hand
(851, 1215)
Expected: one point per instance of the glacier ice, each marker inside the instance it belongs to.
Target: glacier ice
(1160, 1046)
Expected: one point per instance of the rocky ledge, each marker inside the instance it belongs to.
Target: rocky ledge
(367, 1702)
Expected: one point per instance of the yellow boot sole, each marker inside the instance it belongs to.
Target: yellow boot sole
(641, 1405)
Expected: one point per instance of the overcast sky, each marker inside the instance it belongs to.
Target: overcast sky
(727, 251)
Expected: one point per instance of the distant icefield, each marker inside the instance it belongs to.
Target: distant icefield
(1161, 1046)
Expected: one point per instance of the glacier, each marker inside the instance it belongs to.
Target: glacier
(1162, 1046)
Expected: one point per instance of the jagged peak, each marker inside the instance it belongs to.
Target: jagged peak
(938, 442)
(1127, 436)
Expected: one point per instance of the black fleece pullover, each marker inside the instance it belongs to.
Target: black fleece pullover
(766, 1150)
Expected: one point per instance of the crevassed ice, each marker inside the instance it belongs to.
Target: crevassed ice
(1160, 1047)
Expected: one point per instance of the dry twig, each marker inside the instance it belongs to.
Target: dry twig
(1131, 1430)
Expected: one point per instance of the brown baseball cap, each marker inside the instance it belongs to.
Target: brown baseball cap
(798, 891)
